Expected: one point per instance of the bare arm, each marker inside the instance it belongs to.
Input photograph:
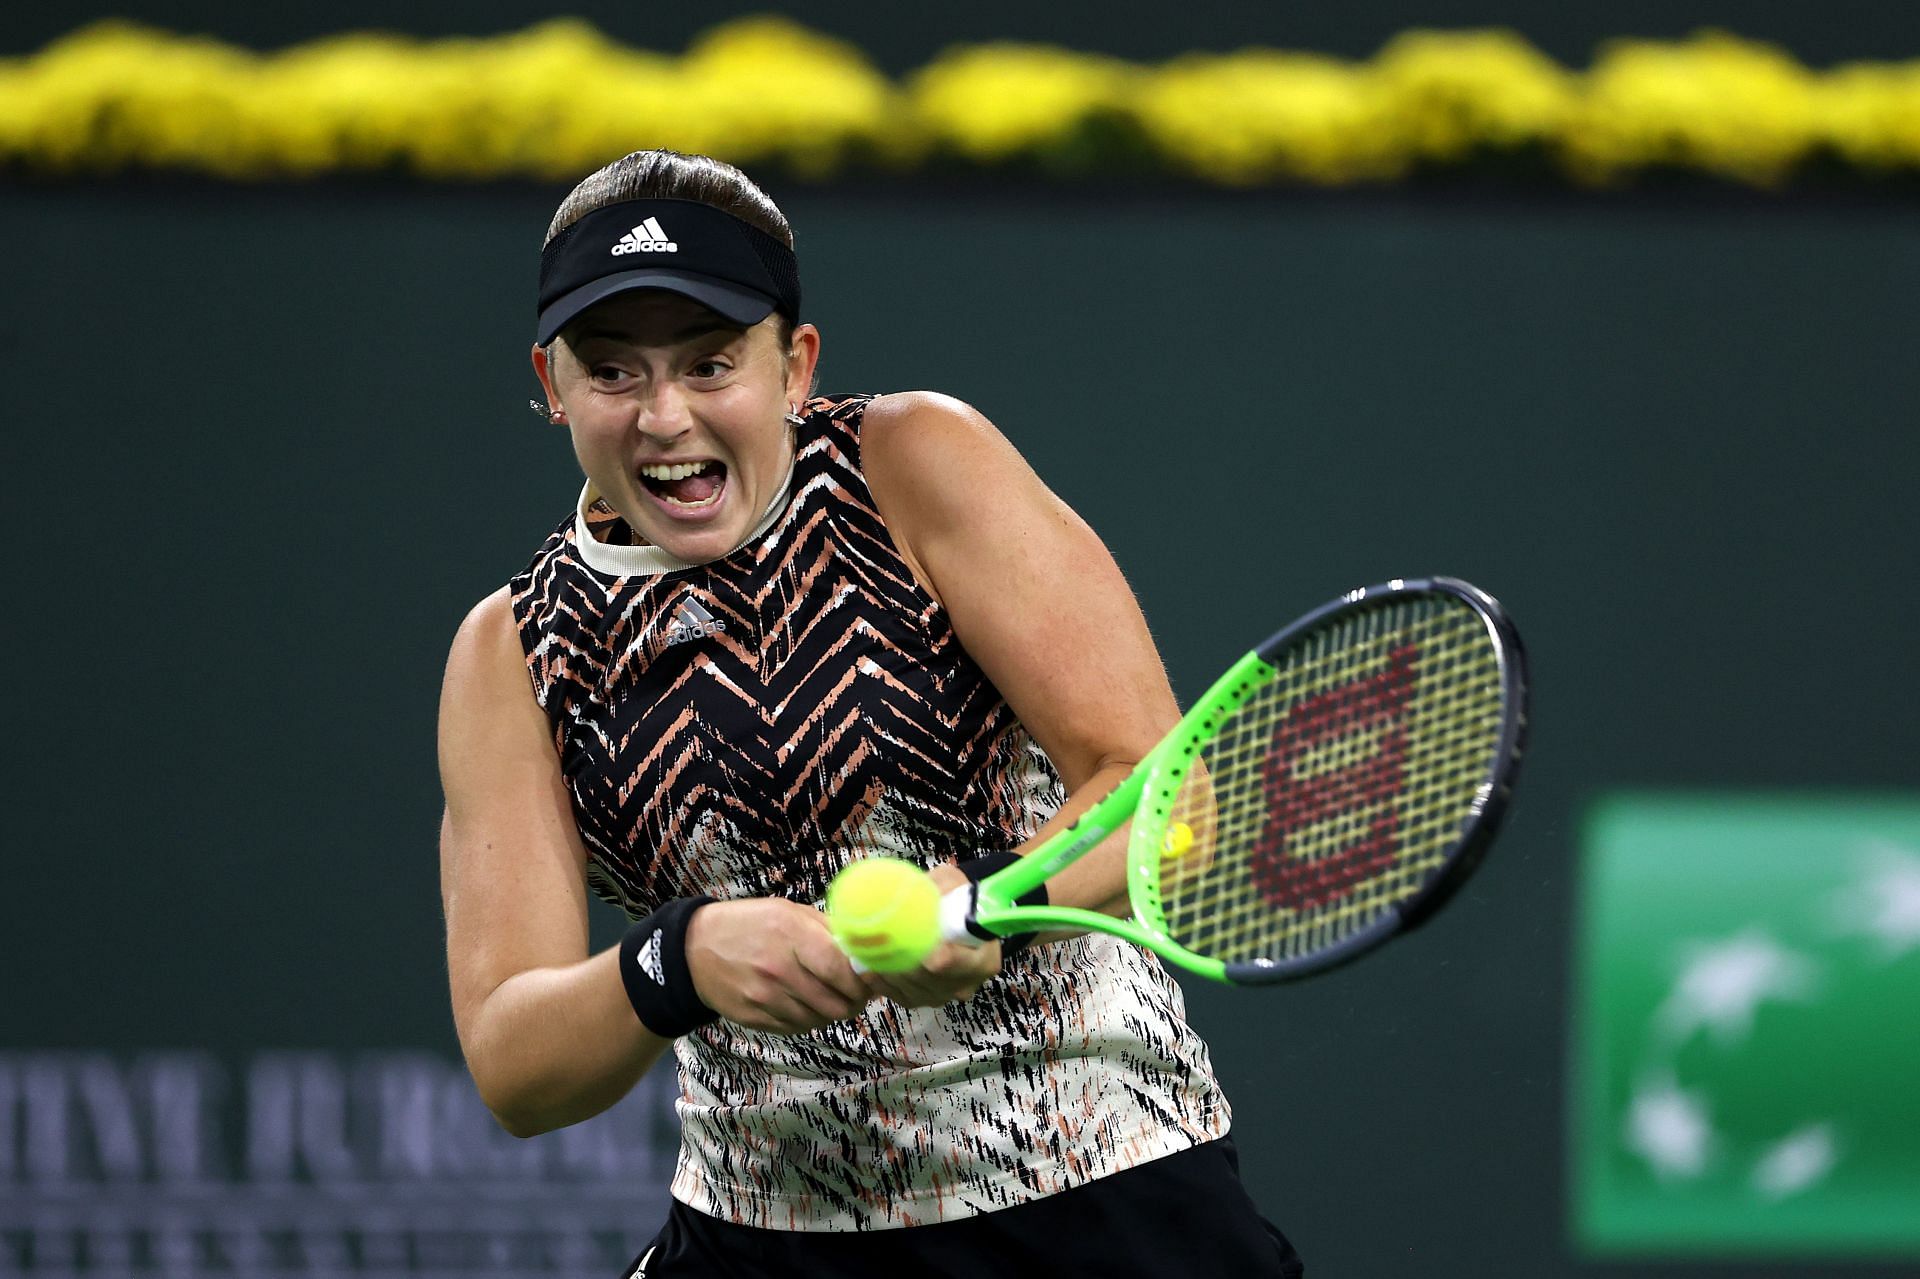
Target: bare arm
(546, 1028)
(1035, 598)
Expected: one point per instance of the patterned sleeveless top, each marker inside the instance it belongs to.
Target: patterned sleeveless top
(747, 727)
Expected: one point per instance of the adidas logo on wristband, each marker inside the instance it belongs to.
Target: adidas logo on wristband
(658, 981)
(649, 959)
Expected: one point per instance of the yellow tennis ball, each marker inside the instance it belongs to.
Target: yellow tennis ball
(1178, 839)
(885, 913)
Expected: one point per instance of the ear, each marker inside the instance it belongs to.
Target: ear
(543, 369)
(803, 357)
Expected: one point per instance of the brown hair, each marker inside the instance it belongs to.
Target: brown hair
(669, 175)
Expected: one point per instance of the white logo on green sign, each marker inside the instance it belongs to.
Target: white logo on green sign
(1748, 1027)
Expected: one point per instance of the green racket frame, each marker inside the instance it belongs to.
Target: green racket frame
(1146, 797)
(1156, 775)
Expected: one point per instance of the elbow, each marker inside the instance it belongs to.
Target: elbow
(520, 1116)
(529, 1108)
(512, 1113)
(520, 1124)
(515, 1107)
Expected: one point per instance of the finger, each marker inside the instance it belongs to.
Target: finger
(880, 986)
(828, 965)
(929, 991)
(954, 961)
(821, 999)
(948, 876)
(908, 984)
(915, 992)
(787, 1015)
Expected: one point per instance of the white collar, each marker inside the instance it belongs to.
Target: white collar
(647, 560)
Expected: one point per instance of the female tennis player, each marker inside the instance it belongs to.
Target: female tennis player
(776, 633)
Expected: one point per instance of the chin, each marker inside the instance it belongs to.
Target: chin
(699, 546)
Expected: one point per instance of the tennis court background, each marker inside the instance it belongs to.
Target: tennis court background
(267, 445)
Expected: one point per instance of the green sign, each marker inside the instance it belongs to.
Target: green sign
(1746, 1070)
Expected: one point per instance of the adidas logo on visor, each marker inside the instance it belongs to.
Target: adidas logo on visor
(645, 238)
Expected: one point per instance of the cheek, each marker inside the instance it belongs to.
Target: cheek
(581, 454)
(758, 442)
(591, 446)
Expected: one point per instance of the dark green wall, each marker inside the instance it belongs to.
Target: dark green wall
(266, 446)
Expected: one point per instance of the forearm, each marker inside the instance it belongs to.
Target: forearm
(553, 1046)
(1098, 880)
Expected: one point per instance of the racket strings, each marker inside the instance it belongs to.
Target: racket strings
(1337, 790)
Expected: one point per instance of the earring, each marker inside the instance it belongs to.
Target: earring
(555, 416)
(794, 418)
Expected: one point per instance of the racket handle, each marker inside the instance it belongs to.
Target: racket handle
(956, 908)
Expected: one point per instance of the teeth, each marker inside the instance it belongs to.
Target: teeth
(680, 472)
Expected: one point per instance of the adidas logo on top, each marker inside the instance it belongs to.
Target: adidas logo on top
(645, 238)
(691, 621)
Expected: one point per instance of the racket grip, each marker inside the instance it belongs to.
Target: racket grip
(956, 914)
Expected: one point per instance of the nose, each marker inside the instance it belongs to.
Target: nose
(665, 415)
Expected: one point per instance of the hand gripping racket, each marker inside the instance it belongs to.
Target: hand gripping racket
(1330, 791)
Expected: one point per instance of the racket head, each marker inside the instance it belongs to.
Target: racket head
(1338, 785)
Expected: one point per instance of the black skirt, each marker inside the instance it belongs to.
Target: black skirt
(1183, 1215)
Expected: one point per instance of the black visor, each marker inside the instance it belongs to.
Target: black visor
(738, 271)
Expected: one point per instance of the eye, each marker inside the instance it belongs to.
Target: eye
(707, 368)
(606, 373)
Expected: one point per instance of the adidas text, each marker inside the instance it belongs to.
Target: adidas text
(694, 631)
(690, 622)
(645, 238)
(649, 959)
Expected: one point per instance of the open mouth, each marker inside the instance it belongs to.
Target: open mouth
(687, 486)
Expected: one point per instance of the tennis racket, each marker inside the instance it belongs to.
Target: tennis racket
(1332, 790)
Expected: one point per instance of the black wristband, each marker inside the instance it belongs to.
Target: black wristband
(977, 869)
(653, 966)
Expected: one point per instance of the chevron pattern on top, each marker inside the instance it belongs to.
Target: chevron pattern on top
(747, 727)
(749, 755)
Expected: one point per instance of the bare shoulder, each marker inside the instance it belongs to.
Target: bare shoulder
(896, 406)
(900, 427)
(486, 698)
(486, 634)
(948, 484)
(931, 456)
(485, 660)
(937, 469)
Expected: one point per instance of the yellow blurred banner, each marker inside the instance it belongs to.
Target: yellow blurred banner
(560, 98)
